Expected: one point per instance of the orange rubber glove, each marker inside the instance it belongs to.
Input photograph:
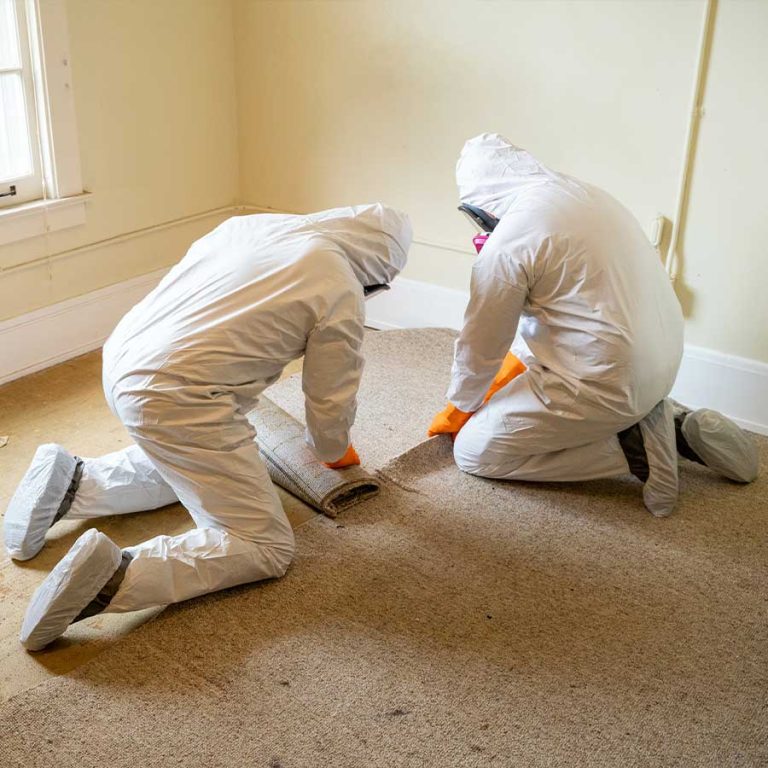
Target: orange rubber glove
(349, 459)
(448, 422)
(510, 368)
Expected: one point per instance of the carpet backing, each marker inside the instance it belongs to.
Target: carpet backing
(449, 621)
(293, 466)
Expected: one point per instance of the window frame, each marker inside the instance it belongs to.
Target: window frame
(28, 186)
(62, 202)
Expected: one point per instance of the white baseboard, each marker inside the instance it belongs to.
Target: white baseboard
(43, 337)
(70, 328)
(415, 304)
(735, 386)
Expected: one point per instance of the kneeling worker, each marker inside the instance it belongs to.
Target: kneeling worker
(600, 340)
(181, 370)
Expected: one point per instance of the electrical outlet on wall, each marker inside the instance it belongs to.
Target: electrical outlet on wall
(657, 230)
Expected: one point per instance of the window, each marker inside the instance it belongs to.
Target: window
(40, 182)
(20, 166)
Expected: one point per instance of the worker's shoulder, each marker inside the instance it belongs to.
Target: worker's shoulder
(323, 260)
(556, 211)
(330, 276)
(319, 253)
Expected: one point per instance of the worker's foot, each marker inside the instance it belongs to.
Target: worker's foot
(43, 496)
(71, 588)
(649, 447)
(712, 439)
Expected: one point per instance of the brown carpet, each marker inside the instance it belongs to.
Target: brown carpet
(450, 621)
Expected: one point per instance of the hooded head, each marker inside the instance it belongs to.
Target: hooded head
(492, 172)
(374, 238)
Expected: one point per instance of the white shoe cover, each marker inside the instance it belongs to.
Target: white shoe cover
(722, 445)
(661, 488)
(77, 578)
(34, 505)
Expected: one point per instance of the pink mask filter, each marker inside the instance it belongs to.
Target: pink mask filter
(479, 241)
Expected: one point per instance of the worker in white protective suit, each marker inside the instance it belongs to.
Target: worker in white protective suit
(181, 370)
(584, 393)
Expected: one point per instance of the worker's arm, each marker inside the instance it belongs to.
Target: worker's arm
(349, 459)
(498, 292)
(333, 364)
(511, 368)
(450, 420)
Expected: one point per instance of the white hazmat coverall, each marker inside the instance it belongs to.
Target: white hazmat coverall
(186, 364)
(600, 330)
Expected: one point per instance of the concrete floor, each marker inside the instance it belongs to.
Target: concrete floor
(65, 405)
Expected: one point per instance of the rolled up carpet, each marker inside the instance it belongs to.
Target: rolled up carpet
(293, 466)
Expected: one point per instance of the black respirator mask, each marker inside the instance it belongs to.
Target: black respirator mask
(482, 222)
(372, 290)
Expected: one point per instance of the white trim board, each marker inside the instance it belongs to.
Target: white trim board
(66, 329)
(70, 328)
(38, 217)
(735, 386)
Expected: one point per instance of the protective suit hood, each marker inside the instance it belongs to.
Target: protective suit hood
(374, 238)
(492, 172)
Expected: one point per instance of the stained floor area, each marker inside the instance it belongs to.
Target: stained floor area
(65, 405)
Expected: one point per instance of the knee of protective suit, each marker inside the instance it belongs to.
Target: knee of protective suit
(466, 461)
(282, 553)
(275, 542)
(469, 448)
(473, 454)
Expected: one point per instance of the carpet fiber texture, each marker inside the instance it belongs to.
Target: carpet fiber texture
(450, 621)
(293, 466)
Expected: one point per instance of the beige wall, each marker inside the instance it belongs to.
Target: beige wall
(155, 100)
(373, 100)
(725, 268)
(185, 106)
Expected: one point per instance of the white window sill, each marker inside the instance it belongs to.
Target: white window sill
(39, 217)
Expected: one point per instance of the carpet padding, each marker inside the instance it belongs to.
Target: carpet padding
(450, 621)
(293, 466)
